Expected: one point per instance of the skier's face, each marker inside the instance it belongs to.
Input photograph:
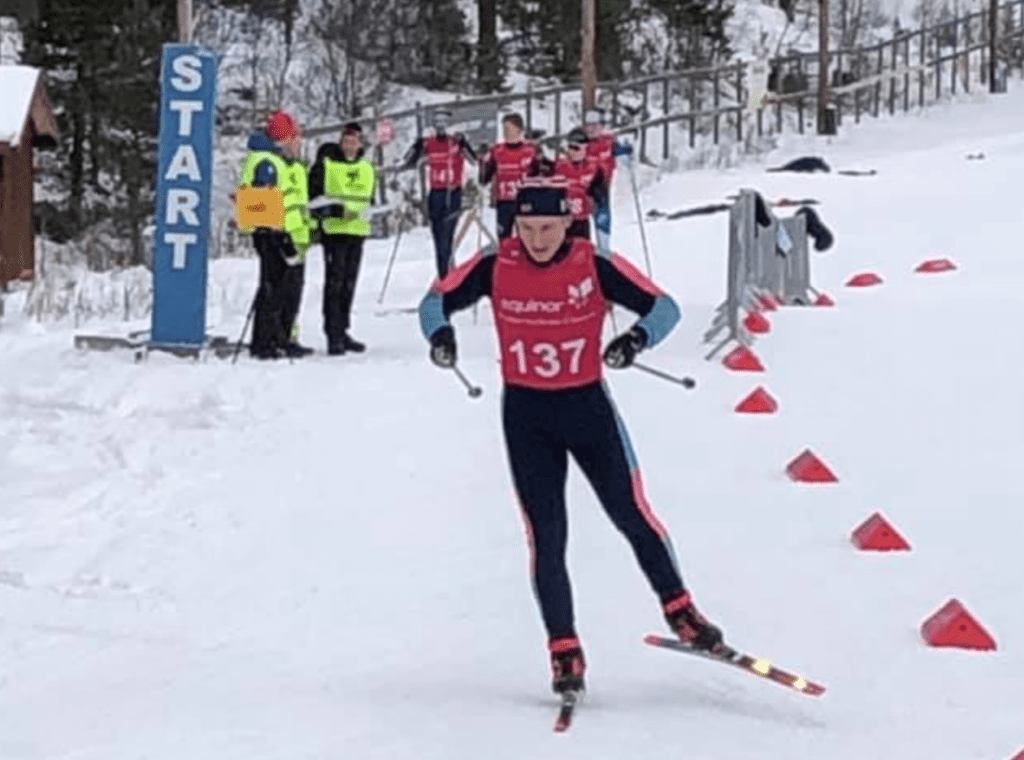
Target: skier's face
(542, 235)
(512, 133)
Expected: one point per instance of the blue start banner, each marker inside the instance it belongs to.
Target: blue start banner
(184, 173)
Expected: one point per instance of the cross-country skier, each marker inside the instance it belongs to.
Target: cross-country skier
(505, 166)
(549, 294)
(445, 154)
(586, 180)
(604, 149)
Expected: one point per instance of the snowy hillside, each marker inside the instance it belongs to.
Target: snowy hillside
(324, 560)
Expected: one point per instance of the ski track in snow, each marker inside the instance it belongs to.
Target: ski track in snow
(324, 560)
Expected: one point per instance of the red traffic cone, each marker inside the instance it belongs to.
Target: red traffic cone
(807, 468)
(757, 323)
(877, 534)
(758, 402)
(936, 265)
(743, 359)
(864, 280)
(953, 626)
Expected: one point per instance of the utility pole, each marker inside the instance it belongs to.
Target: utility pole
(185, 21)
(588, 69)
(826, 115)
(993, 31)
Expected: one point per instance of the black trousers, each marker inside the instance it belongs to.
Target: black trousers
(444, 207)
(342, 256)
(505, 215)
(541, 429)
(294, 282)
(280, 291)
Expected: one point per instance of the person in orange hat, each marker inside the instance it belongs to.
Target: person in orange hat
(274, 161)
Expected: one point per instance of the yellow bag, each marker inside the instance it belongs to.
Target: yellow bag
(259, 207)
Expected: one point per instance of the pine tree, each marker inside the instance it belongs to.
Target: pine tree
(101, 60)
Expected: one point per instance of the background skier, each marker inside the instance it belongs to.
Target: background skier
(445, 155)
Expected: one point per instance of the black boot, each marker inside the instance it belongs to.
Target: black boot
(335, 348)
(567, 664)
(690, 626)
(265, 352)
(296, 350)
(352, 345)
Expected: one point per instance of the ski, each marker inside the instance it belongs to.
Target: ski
(755, 665)
(566, 710)
(396, 310)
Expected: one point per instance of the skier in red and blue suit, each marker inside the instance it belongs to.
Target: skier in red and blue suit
(549, 293)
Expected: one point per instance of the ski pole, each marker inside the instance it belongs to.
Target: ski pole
(686, 382)
(640, 217)
(391, 261)
(475, 391)
(245, 327)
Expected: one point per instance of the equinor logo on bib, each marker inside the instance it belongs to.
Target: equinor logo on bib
(532, 306)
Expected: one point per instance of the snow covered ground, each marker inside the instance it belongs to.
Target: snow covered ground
(324, 560)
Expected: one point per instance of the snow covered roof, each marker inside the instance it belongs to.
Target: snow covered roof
(22, 97)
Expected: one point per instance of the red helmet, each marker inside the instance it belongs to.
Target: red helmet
(281, 125)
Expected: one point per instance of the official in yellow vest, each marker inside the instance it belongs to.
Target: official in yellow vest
(342, 184)
(273, 161)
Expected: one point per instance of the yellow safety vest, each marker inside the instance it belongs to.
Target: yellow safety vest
(292, 182)
(351, 184)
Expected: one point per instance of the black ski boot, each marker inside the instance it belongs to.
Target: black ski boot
(567, 664)
(690, 626)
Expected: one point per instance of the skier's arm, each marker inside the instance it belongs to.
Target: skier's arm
(598, 189)
(467, 149)
(624, 284)
(488, 166)
(460, 289)
(412, 156)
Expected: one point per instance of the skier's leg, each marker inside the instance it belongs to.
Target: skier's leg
(505, 215)
(450, 220)
(603, 225)
(601, 447)
(539, 465)
(437, 210)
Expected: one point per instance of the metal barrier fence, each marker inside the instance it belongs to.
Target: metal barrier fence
(769, 261)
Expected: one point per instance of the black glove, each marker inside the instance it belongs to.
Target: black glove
(761, 211)
(442, 347)
(821, 234)
(621, 352)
